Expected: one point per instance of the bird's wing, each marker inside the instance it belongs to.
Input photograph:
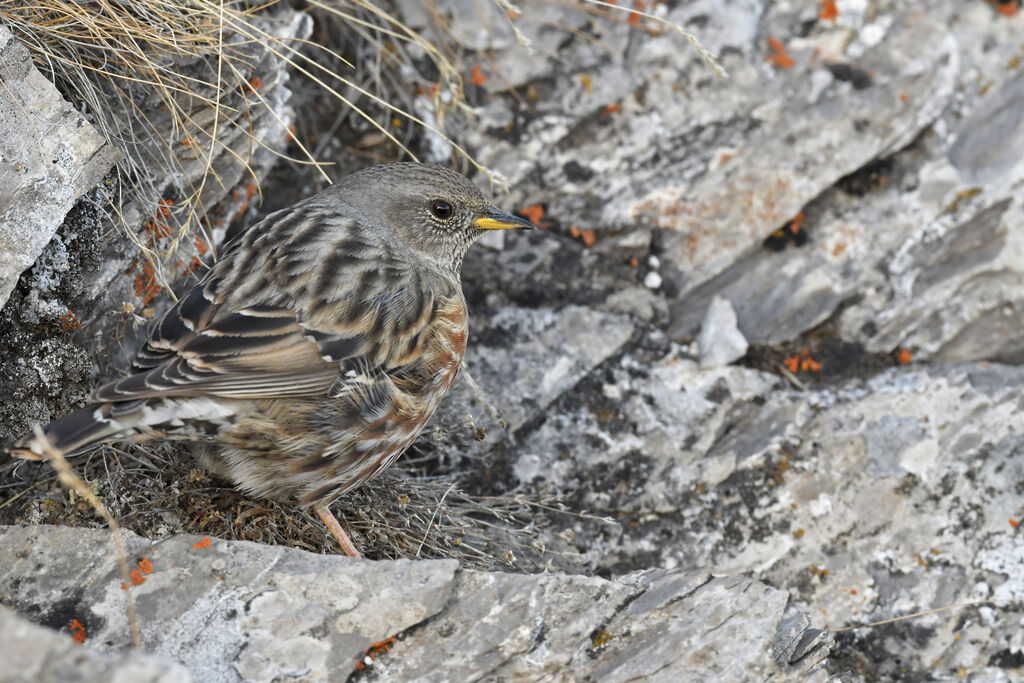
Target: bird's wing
(295, 337)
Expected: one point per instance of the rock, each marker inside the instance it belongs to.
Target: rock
(873, 500)
(526, 358)
(942, 277)
(35, 654)
(51, 157)
(232, 611)
(644, 434)
(720, 341)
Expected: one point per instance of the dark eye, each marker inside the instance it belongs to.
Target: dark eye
(441, 209)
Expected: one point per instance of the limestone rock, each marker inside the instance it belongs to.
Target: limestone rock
(233, 611)
(35, 654)
(51, 157)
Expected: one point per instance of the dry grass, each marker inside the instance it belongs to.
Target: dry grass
(155, 490)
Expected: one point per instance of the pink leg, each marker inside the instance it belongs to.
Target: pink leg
(334, 526)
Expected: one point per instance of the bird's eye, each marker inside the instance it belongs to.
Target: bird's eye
(441, 209)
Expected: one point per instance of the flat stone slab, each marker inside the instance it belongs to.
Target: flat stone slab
(231, 611)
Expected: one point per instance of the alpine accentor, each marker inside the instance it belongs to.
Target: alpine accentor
(318, 346)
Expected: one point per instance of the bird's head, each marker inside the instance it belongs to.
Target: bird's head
(434, 210)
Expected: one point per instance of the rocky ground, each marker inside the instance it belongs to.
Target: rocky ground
(756, 382)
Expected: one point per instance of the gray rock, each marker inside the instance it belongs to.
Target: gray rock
(720, 341)
(917, 250)
(526, 358)
(35, 654)
(883, 498)
(242, 611)
(51, 157)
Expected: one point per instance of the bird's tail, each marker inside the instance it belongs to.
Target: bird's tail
(84, 427)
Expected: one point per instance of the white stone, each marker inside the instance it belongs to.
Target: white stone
(720, 340)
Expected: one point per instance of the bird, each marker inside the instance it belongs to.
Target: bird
(314, 350)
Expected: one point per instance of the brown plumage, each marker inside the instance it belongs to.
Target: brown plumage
(315, 350)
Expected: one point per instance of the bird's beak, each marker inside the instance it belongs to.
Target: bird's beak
(496, 219)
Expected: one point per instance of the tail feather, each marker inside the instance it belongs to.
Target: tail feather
(84, 427)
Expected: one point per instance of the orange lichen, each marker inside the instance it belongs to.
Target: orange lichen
(160, 227)
(77, 631)
(779, 56)
(200, 245)
(1007, 7)
(146, 566)
(137, 578)
(588, 237)
(612, 108)
(829, 11)
(533, 213)
(255, 84)
(251, 189)
(794, 225)
(802, 361)
(478, 76)
(1014, 523)
(634, 262)
(146, 287)
(635, 17)
(204, 542)
(69, 322)
(194, 266)
(904, 357)
(375, 651)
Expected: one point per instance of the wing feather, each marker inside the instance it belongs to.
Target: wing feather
(325, 307)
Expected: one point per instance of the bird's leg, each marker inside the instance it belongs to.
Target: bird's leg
(334, 526)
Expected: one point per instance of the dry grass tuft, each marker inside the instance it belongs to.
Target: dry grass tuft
(155, 490)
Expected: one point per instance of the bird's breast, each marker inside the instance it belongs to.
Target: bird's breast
(452, 333)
